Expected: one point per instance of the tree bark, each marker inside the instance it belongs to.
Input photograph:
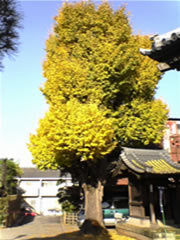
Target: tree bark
(93, 202)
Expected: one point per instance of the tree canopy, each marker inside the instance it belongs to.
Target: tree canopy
(94, 74)
(9, 170)
(100, 92)
(9, 23)
(72, 131)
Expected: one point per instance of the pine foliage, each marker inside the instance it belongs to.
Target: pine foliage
(9, 24)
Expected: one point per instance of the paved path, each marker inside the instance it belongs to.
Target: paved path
(40, 227)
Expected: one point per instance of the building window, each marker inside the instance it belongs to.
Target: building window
(48, 184)
(178, 128)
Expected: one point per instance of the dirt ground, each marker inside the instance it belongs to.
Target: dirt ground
(51, 228)
(37, 228)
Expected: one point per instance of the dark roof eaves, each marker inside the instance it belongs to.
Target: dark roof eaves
(146, 169)
(129, 164)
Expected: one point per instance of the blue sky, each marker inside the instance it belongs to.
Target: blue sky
(22, 104)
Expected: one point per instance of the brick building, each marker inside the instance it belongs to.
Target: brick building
(171, 141)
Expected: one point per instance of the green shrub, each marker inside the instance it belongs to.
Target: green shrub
(68, 207)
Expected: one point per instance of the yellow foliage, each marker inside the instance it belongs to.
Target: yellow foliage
(99, 87)
(73, 131)
(142, 122)
(76, 235)
(148, 75)
(115, 236)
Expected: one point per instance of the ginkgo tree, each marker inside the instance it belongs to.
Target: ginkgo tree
(100, 92)
(72, 135)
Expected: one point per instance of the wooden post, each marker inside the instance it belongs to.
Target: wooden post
(4, 173)
(130, 198)
(136, 203)
(151, 205)
(3, 187)
(175, 202)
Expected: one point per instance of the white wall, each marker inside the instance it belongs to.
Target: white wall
(41, 194)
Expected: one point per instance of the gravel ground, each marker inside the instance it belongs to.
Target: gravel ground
(40, 226)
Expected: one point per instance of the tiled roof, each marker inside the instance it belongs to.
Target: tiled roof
(166, 50)
(149, 161)
(36, 173)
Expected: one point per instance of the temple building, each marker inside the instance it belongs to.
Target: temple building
(154, 185)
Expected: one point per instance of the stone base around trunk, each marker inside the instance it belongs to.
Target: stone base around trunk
(143, 230)
(139, 222)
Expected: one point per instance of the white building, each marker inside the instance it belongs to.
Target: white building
(40, 189)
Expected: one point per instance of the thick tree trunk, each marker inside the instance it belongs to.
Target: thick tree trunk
(93, 202)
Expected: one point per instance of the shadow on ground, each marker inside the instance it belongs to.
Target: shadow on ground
(22, 220)
(76, 236)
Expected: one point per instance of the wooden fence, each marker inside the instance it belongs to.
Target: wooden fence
(70, 218)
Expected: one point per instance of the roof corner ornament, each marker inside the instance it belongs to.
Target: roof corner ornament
(165, 49)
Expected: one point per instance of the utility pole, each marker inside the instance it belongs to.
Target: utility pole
(3, 178)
